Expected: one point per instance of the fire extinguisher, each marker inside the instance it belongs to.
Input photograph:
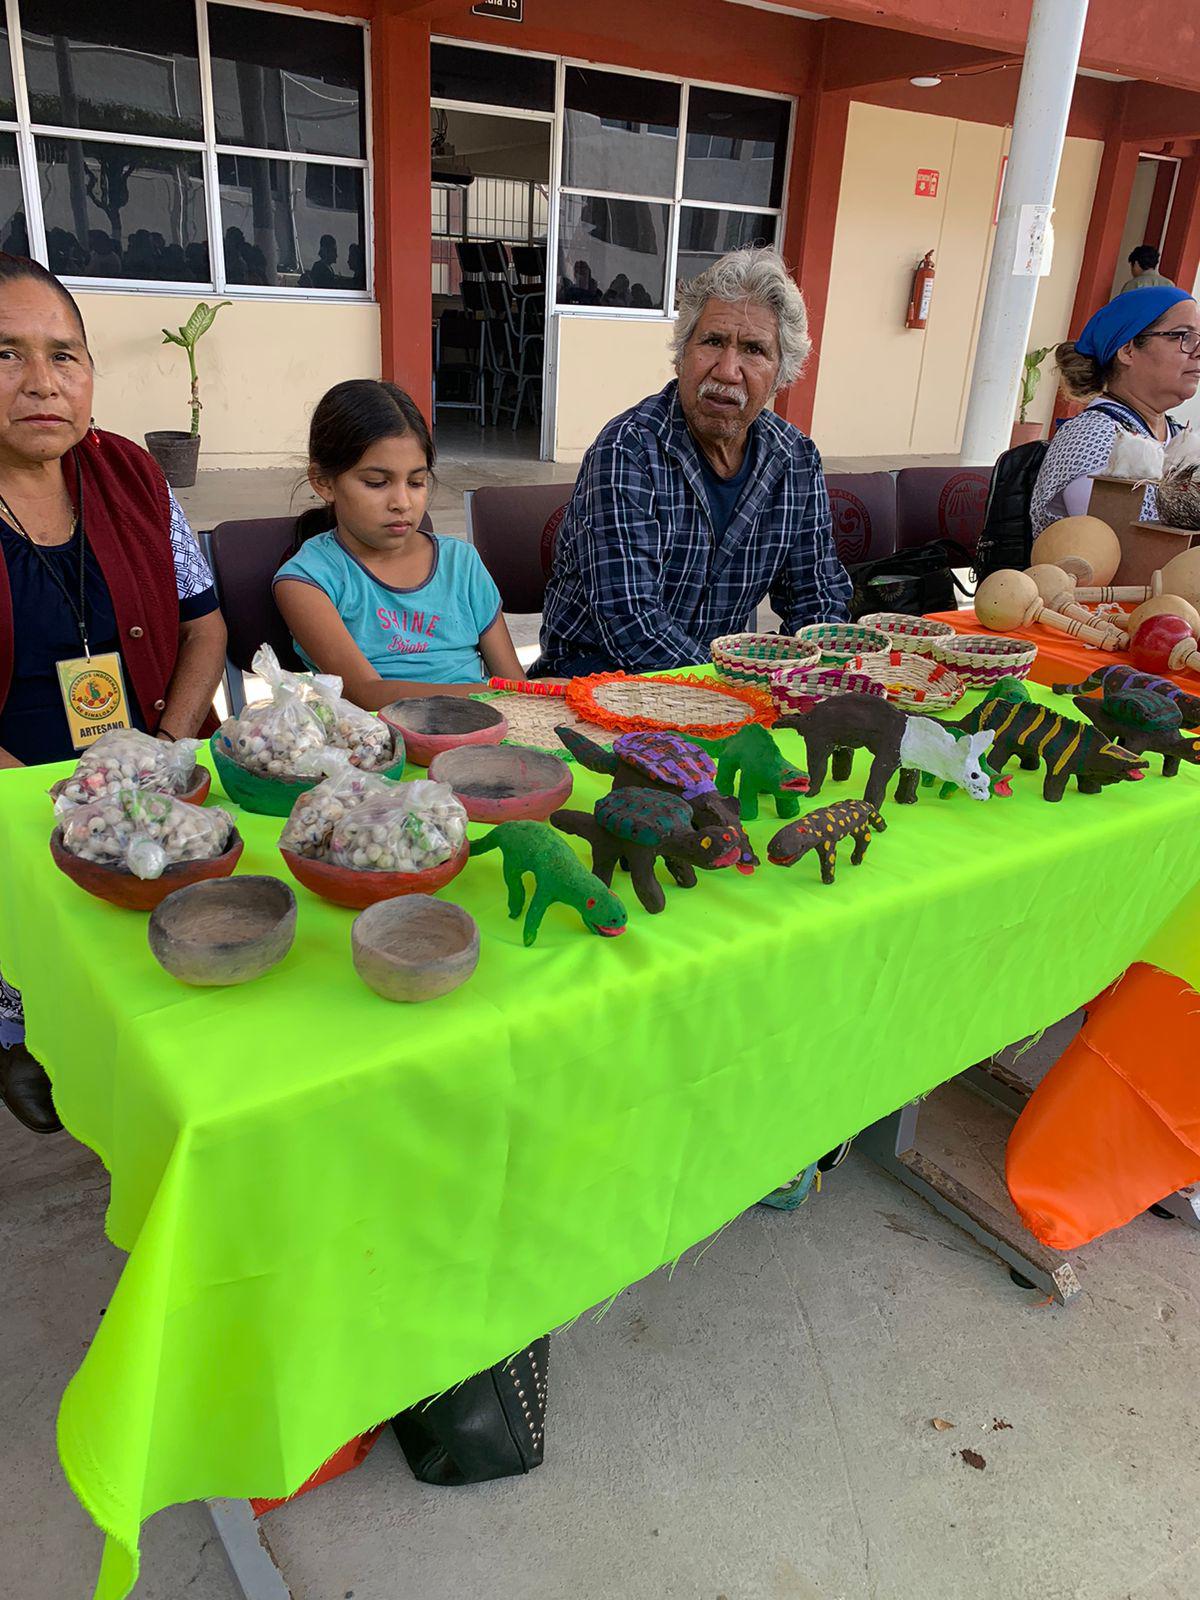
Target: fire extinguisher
(922, 294)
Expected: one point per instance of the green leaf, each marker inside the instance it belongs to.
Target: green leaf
(201, 320)
(171, 338)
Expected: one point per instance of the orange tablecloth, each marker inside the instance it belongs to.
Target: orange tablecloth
(1061, 659)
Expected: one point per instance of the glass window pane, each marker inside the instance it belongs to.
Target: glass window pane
(611, 252)
(128, 68)
(286, 83)
(705, 236)
(292, 224)
(8, 103)
(491, 78)
(120, 211)
(620, 133)
(14, 236)
(736, 148)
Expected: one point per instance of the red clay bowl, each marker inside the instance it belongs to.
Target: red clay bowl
(197, 791)
(345, 886)
(501, 782)
(121, 888)
(432, 723)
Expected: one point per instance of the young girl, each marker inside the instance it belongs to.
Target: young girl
(390, 610)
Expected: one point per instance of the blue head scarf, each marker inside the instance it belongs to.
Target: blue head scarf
(1124, 318)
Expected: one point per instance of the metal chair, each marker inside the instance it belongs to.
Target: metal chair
(514, 530)
(458, 363)
(863, 505)
(940, 503)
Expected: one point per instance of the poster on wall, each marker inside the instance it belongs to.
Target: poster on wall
(927, 182)
(1033, 232)
(509, 10)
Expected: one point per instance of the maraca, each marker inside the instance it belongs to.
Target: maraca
(1181, 575)
(1163, 605)
(1010, 599)
(1085, 547)
(1164, 644)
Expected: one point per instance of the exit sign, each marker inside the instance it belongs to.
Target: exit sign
(509, 10)
(927, 182)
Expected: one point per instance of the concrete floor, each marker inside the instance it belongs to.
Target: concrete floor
(756, 1427)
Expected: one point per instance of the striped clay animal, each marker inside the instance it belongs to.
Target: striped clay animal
(1143, 722)
(822, 830)
(1067, 748)
(1122, 677)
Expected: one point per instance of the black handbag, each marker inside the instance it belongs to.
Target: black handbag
(914, 582)
(491, 1426)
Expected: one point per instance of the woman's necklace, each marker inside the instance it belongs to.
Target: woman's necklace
(18, 526)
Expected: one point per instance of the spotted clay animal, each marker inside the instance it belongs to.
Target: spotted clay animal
(636, 827)
(822, 830)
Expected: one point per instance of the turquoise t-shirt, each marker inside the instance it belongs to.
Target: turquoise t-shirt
(430, 633)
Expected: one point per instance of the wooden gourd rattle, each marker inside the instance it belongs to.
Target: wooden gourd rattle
(1010, 599)
(1164, 644)
(1084, 547)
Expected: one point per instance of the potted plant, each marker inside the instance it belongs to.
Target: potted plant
(1025, 432)
(179, 453)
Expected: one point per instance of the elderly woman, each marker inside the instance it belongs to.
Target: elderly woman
(96, 561)
(699, 503)
(1137, 356)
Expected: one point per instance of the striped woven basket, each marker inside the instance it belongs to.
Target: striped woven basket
(910, 681)
(981, 659)
(798, 688)
(839, 641)
(748, 658)
(908, 633)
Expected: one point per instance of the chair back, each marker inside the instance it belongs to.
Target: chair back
(514, 529)
(940, 503)
(863, 505)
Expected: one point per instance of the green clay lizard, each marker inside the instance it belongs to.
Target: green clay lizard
(750, 759)
(558, 875)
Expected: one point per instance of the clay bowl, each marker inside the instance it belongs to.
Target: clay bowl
(121, 888)
(346, 887)
(501, 782)
(228, 930)
(436, 722)
(199, 784)
(414, 949)
(269, 797)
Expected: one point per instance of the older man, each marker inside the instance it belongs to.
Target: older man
(700, 502)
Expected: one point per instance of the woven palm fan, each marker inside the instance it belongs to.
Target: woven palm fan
(683, 704)
(532, 720)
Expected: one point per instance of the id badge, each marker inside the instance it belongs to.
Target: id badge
(93, 692)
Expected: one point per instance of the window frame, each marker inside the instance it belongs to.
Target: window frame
(28, 132)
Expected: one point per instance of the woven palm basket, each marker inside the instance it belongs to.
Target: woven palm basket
(905, 632)
(748, 658)
(840, 641)
(910, 681)
(983, 659)
(682, 704)
(796, 688)
(532, 719)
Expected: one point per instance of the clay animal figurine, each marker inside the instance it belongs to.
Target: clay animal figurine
(1068, 748)
(666, 761)
(749, 765)
(635, 827)
(1009, 689)
(847, 722)
(1122, 677)
(822, 830)
(1140, 721)
(558, 875)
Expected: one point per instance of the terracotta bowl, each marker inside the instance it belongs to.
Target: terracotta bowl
(436, 722)
(347, 887)
(121, 888)
(414, 949)
(501, 782)
(269, 797)
(199, 784)
(228, 930)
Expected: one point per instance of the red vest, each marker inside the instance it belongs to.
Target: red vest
(127, 519)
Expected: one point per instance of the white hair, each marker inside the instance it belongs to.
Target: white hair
(761, 277)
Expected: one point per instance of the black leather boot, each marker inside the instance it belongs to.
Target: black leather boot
(25, 1090)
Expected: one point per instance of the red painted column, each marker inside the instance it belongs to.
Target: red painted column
(1159, 201)
(1181, 251)
(1114, 187)
(403, 209)
(813, 193)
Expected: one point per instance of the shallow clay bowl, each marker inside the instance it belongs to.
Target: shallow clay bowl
(199, 784)
(120, 887)
(414, 949)
(347, 887)
(432, 723)
(229, 930)
(501, 782)
(271, 797)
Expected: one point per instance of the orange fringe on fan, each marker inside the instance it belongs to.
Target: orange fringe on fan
(581, 697)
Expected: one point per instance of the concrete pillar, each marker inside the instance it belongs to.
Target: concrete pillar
(1039, 130)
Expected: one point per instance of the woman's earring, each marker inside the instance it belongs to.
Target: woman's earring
(92, 430)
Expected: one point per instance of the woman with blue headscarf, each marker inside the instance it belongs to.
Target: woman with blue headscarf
(1137, 357)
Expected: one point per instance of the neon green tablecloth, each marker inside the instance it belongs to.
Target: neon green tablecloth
(334, 1206)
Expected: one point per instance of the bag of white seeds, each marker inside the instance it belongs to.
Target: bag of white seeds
(316, 812)
(127, 759)
(270, 736)
(417, 826)
(144, 832)
(349, 727)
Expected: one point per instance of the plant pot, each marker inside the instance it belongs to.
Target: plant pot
(177, 454)
(1024, 433)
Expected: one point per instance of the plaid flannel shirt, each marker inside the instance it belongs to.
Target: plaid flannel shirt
(641, 582)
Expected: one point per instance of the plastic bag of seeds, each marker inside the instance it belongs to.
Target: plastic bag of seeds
(349, 727)
(270, 736)
(128, 759)
(317, 811)
(143, 832)
(416, 826)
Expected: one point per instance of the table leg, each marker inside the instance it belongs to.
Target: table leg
(249, 1553)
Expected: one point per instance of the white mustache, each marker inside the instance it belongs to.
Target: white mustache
(722, 391)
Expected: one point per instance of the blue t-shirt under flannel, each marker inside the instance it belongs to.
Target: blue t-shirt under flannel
(430, 633)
